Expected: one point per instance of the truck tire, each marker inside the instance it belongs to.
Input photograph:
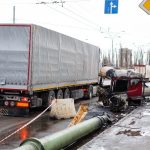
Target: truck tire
(59, 94)
(89, 92)
(51, 96)
(67, 93)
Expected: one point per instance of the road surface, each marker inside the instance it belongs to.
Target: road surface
(43, 126)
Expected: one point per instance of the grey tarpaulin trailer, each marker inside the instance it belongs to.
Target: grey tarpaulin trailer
(38, 64)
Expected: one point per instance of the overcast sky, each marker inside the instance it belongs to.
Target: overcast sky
(85, 20)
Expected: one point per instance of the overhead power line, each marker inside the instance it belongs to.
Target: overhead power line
(62, 2)
(83, 18)
(72, 17)
(97, 27)
(41, 2)
(59, 25)
(86, 11)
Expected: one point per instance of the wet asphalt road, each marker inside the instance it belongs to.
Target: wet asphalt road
(41, 127)
(130, 133)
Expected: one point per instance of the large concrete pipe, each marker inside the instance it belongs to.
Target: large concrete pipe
(65, 137)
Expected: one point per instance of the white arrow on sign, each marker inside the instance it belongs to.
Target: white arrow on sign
(112, 6)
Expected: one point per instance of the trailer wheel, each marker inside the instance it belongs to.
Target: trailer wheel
(90, 94)
(60, 94)
(51, 96)
(67, 93)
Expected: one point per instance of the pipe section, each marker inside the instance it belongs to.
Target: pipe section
(65, 137)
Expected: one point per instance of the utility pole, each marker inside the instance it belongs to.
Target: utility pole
(112, 51)
(14, 14)
(62, 2)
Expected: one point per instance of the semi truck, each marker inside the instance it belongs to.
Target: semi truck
(38, 65)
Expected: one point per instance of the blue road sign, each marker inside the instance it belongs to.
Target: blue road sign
(111, 6)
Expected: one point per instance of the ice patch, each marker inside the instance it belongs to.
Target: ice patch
(145, 133)
(101, 148)
(146, 113)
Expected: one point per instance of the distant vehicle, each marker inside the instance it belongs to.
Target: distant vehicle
(126, 88)
(38, 65)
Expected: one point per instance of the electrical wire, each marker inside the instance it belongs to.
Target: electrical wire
(86, 11)
(60, 25)
(71, 17)
(83, 18)
(80, 19)
(96, 26)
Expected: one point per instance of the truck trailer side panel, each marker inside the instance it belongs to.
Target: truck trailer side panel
(35, 58)
(58, 60)
(14, 55)
(38, 64)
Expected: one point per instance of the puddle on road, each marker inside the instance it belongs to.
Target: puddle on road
(40, 128)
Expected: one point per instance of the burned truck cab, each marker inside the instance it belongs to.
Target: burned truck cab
(126, 88)
(119, 85)
(132, 86)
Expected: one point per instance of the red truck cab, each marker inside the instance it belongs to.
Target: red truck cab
(132, 86)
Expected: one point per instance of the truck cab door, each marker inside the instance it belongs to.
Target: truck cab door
(135, 88)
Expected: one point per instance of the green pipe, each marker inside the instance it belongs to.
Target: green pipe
(65, 137)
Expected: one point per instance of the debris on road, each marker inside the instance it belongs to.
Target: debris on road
(83, 110)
